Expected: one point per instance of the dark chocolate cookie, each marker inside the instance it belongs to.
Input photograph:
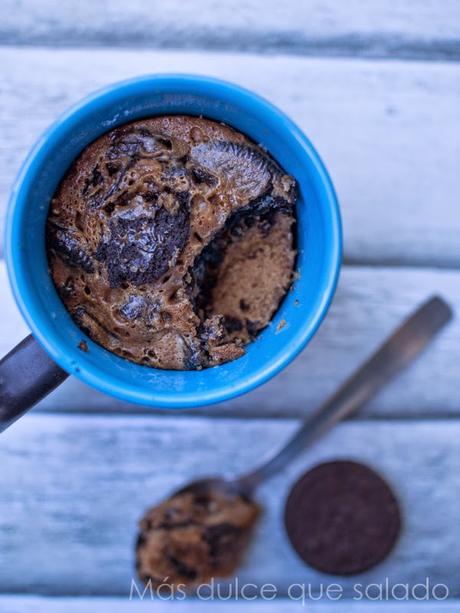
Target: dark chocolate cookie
(142, 246)
(248, 171)
(342, 518)
(69, 247)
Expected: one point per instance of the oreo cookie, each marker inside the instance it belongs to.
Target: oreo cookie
(342, 518)
(68, 247)
(248, 170)
(142, 245)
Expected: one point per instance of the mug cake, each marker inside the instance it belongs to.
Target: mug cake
(171, 241)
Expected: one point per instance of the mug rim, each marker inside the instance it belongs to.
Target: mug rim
(222, 90)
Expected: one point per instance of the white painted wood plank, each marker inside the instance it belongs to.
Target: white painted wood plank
(25, 604)
(408, 28)
(369, 303)
(388, 131)
(72, 488)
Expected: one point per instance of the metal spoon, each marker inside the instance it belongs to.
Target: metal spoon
(396, 353)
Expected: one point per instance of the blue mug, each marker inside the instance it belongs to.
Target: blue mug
(43, 360)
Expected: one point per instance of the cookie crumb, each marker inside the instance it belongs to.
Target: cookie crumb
(282, 324)
(83, 346)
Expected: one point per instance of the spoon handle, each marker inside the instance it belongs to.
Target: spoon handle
(396, 353)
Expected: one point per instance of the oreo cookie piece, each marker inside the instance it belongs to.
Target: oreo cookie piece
(247, 170)
(68, 247)
(342, 518)
(142, 245)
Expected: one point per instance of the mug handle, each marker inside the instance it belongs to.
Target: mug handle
(27, 374)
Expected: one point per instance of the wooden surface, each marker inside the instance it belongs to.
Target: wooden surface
(376, 86)
(26, 604)
(369, 303)
(388, 131)
(405, 28)
(84, 517)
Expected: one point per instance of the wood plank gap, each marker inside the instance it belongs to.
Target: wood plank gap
(218, 413)
(419, 264)
(349, 47)
(21, 603)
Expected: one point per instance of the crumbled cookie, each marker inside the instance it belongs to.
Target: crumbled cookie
(192, 537)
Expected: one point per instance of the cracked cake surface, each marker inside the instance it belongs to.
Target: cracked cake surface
(171, 241)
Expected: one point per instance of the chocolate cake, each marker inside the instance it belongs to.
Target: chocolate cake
(171, 241)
